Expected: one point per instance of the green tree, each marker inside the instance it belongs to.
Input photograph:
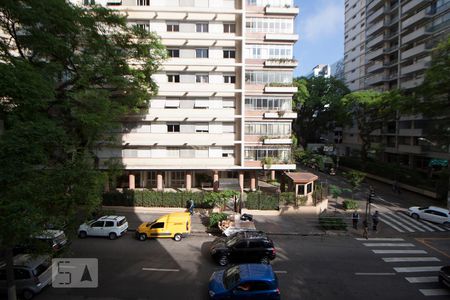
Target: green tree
(66, 80)
(319, 107)
(355, 178)
(370, 110)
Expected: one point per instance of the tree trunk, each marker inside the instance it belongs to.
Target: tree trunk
(10, 274)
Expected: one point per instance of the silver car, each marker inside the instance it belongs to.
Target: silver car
(31, 274)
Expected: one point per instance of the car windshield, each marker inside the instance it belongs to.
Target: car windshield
(60, 238)
(42, 267)
(232, 241)
(231, 277)
(422, 208)
(121, 222)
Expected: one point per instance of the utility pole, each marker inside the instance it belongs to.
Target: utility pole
(368, 203)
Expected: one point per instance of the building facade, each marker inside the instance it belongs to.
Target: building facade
(320, 70)
(224, 106)
(398, 38)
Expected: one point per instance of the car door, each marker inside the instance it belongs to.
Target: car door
(239, 251)
(440, 217)
(256, 250)
(157, 229)
(429, 215)
(96, 228)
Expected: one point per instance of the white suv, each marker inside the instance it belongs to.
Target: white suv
(110, 226)
(430, 213)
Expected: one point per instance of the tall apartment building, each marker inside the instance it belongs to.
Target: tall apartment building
(320, 70)
(399, 36)
(224, 106)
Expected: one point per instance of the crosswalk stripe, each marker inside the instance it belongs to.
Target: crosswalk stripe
(424, 279)
(434, 226)
(409, 259)
(399, 251)
(407, 220)
(388, 245)
(392, 225)
(434, 292)
(391, 219)
(381, 239)
(404, 216)
(417, 269)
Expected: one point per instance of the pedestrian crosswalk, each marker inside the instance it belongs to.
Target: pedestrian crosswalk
(419, 268)
(401, 222)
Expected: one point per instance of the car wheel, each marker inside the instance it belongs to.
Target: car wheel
(177, 237)
(82, 234)
(265, 260)
(415, 216)
(223, 260)
(27, 294)
(112, 236)
(142, 237)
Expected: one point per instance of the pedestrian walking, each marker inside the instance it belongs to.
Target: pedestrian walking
(375, 220)
(366, 229)
(355, 219)
(191, 206)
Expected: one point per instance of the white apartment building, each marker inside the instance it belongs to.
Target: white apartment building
(322, 70)
(224, 106)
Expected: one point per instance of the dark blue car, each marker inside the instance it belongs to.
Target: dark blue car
(248, 281)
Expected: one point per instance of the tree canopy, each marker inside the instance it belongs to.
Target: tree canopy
(67, 77)
(319, 107)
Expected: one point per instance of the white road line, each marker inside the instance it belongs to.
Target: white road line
(424, 279)
(388, 245)
(434, 226)
(399, 251)
(280, 272)
(406, 219)
(391, 219)
(418, 269)
(409, 259)
(409, 219)
(434, 292)
(375, 274)
(381, 239)
(392, 225)
(160, 270)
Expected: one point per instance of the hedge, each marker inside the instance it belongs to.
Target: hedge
(261, 201)
(335, 223)
(349, 204)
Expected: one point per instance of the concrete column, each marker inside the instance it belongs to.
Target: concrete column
(188, 181)
(253, 181)
(241, 180)
(272, 175)
(106, 186)
(131, 181)
(144, 178)
(216, 181)
(159, 181)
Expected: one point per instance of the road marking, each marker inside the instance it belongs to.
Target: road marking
(160, 270)
(409, 259)
(434, 292)
(424, 241)
(388, 245)
(381, 239)
(405, 217)
(408, 220)
(424, 279)
(280, 272)
(399, 251)
(392, 225)
(418, 269)
(375, 274)
(391, 219)
(434, 226)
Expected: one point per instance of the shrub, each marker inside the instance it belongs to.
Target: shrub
(330, 223)
(287, 198)
(215, 218)
(262, 201)
(350, 204)
(301, 200)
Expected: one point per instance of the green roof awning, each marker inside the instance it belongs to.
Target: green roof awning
(438, 163)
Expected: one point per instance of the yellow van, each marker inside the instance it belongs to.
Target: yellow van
(175, 225)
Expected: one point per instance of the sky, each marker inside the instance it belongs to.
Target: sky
(320, 26)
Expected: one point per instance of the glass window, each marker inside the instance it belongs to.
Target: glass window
(143, 2)
(201, 78)
(229, 79)
(173, 127)
(201, 53)
(309, 188)
(158, 225)
(109, 224)
(229, 53)
(301, 189)
(229, 28)
(97, 224)
(201, 27)
(173, 77)
(173, 27)
(173, 52)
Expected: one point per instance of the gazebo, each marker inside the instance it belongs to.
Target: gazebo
(301, 183)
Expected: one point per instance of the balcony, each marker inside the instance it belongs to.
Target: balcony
(280, 89)
(410, 132)
(412, 5)
(374, 54)
(276, 141)
(280, 115)
(273, 10)
(375, 67)
(375, 79)
(179, 139)
(417, 66)
(374, 28)
(410, 149)
(416, 34)
(376, 14)
(423, 14)
(373, 4)
(409, 84)
(414, 51)
(278, 166)
(281, 63)
(281, 37)
(196, 89)
(178, 163)
(375, 41)
(201, 115)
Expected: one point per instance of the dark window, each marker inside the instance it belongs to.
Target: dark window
(309, 188)
(260, 286)
(241, 244)
(121, 222)
(173, 52)
(173, 27)
(201, 53)
(2, 275)
(109, 224)
(201, 27)
(229, 28)
(42, 268)
(256, 244)
(173, 78)
(229, 53)
(229, 79)
(98, 224)
(158, 225)
(173, 127)
(143, 2)
(20, 274)
(301, 189)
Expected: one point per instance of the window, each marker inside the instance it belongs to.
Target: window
(201, 78)
(309, 188)
(172, 102)
(173, 77)
(268, 103)
(270, 25)
(177, 178)
(98, 224)
(229, 28)
(109, 224)
(229, 79)
(91, 2)
(173, 127)
(227, 152)
(143, 2)
(173, 52)
(268, 51)
(158, 225)
(201, 53)
(202, 127)
(201, 27)
(229, 53)
(173, 26)
(300, 189)
(145, 27)
(201, 103)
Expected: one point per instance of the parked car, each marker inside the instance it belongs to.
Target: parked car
(175, 225)
(444, 276)
(53, 239)
(31, 273)
(109, 226)
(247, 246)
(248, 281)
(430, 213)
